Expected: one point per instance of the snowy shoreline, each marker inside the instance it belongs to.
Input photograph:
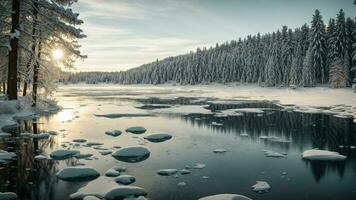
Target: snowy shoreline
(315, 97)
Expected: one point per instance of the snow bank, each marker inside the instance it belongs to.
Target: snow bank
(78, 174)
(125, 179)
(225, 197)
(159, 137)
(315, 154)
(132, 154)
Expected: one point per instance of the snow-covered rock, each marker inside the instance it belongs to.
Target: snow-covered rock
(167, 172)
(83, 155)
(136, 130)
(40, 136)
(113, 133)
(4, 155)
(8, 196)
(98, 188)
(261, 186)
(132, 154)
(79, 140)
(316, 154)
(159, 137)
(112, 173)
(225, 197)
(78, 173)
(4, 135)
(121, 192)
(219, 150)
(125, 179)
(61, 154)
(41, 157)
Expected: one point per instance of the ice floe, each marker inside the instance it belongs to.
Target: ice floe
(40, 136)
(125, 179)
(132, 154)
(273, 154)
(83, 155)
(113, 133)
(167, 172)
(8, 196)
(261, 186)
(219, 150)
(136, 130)
(159, 137)
(78, 174)
(112, 173)
(225, 197)
(182, 184)
(315, 154)
(185, 171)
(61, 154)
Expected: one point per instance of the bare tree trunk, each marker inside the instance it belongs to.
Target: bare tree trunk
(36, 70)
(13, 54)
(33, 47)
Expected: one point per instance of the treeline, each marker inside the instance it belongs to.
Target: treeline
(30, 31)
(305, 56)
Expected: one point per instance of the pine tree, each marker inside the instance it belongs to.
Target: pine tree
(317, 47)
(308, 71)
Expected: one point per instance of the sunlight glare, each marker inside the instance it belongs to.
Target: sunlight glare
(57, 54)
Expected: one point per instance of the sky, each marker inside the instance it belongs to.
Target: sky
(122, 34)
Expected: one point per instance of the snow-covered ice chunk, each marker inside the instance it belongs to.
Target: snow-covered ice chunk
(125, 179)
(112, 173)
(316, 154)
(122, 192)
(182, 184)
(244, 135)
(4, 135)
(249, 110)
(119, 115)
(217, 124)
(132, 154)
(83, 155)
(78, 174)
(41, 157)
(198, 166)
(8, 196)
(261, 186)
(91, 198)
(225, 197)
(89, 144)
(273, 154)
(136, 130)
(167, 172)
(105, 152)
(184, 171)
(113, 133)
(40, 136)
(4, 155)
(79, 140)
(119, 168)
(61, 154)
(97, 188)
(159, 137)
(219, 150)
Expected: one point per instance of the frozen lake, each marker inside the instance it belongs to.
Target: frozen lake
(263, 140)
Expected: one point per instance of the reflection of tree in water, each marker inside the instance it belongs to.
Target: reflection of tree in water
(30, 178)
(305, 131)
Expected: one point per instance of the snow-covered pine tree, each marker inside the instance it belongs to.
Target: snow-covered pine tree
(296, 68)
(308, 71)
(318, 48)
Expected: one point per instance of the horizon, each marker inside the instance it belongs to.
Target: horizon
(123, 35)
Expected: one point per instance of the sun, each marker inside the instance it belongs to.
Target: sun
(57, 54)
